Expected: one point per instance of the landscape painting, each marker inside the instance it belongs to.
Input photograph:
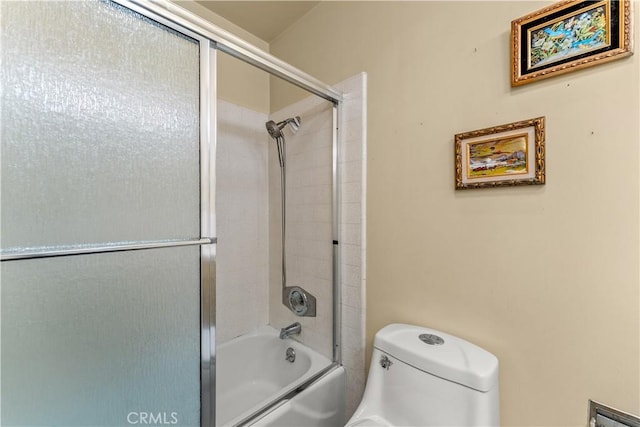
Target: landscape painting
(500, 156)
(497, 157)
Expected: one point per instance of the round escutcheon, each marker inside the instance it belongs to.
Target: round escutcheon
(298, 302)
(431, 339)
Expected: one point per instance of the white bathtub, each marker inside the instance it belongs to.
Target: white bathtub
(251, 372)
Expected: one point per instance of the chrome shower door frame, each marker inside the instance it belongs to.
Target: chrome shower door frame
(208, 96)
(212, 39)
(207, 239)
(208, 61)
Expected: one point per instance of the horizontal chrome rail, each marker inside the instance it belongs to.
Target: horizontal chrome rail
(47, 252)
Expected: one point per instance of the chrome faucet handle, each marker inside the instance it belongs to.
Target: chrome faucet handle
(385, 362)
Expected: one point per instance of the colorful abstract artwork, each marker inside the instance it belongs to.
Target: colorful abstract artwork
(569, 37)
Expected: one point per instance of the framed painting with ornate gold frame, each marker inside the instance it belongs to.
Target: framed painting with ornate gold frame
(567, 36)
(505, 155)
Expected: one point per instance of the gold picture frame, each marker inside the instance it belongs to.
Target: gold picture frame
(499, 156)
(568, 36)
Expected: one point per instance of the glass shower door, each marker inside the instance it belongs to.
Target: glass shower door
(100, 217)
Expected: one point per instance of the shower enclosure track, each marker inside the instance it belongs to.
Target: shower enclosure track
(290, 395)
(237, 47)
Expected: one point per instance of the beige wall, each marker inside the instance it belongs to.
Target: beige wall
(545, 277)
(238, 82)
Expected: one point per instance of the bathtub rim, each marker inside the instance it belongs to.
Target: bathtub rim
(288, 395)
(290, 390)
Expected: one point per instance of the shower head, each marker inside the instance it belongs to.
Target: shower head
(275, 129)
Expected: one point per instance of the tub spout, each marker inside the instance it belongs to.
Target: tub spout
(293, 329)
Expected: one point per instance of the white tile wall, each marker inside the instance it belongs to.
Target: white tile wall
(242, 221)
(353, 233)
(248, 209)
(309, 221)
(309, 231)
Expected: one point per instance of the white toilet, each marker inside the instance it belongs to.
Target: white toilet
(422, 377)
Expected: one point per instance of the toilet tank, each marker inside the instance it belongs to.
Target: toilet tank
(433, 379)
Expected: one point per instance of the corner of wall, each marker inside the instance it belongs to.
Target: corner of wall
(238, 82)
(353, 179)
(204, 13)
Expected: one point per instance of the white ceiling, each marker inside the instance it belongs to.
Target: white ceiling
(265, 19)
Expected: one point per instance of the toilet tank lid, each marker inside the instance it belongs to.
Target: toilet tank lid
(454, 360)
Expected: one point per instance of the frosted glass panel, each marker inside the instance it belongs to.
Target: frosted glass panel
(100, 126)
(91, 340)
